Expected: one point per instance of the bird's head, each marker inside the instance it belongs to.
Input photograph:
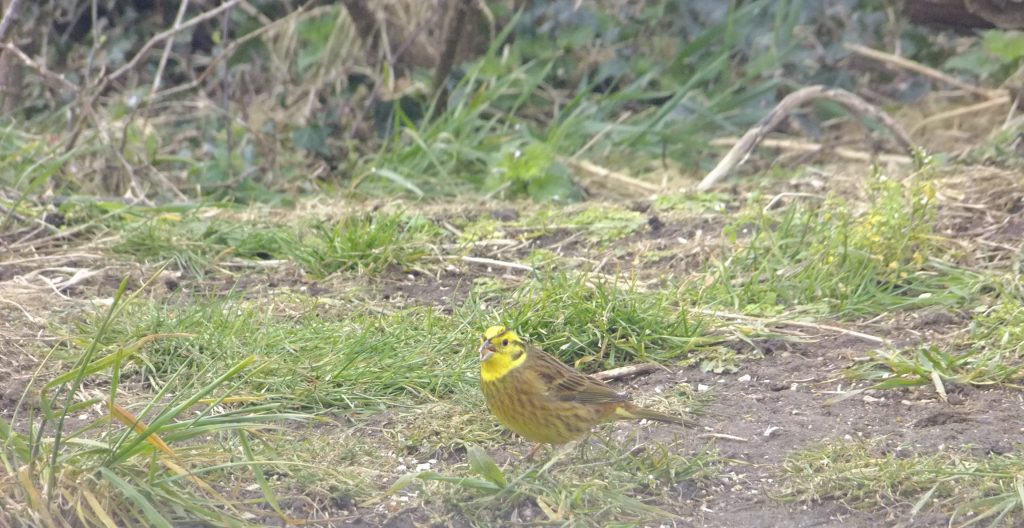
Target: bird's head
(501, 350)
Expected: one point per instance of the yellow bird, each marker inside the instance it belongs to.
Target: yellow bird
(545, 400)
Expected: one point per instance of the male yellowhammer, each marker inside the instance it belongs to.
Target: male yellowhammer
(545, 400)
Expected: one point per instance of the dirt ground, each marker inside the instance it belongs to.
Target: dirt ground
(756, 417)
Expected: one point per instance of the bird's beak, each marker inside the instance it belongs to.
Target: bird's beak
(486, 350)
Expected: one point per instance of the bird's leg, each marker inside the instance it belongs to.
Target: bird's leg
(583, 445)
(533, 451)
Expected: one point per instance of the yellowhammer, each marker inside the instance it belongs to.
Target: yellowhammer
(545, 400)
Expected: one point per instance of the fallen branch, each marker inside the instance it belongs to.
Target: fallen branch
(964, 110)
(758, 132)
(723, 436)
(597, 170)
(799, 324)
(499, 263)
(919, 68)
(627, 371)
(807, 146)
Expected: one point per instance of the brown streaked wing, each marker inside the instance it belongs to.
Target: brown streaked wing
(565, 383)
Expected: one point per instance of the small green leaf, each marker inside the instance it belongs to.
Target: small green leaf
(923, 501)
(402, 483)
(469, 483)
(528, 163)
(482, 464)
(399, 179)
(1007, 45)
(975, 61)
(555, 186)
(898, 383)
(312, 138)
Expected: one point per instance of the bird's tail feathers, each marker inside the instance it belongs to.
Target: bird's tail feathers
(630, 411)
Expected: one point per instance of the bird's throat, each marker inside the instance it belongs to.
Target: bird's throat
(499, 365)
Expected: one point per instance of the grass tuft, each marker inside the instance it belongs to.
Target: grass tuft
(962, 487)
(365, 360)
(594, 322)
(598, 480)
(196, 240)
(992, 353)
(827, 257)
(193, 243)
(366, 243)
(91, 455)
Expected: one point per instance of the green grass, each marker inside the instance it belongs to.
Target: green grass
(519, 107)
(605, 224)
(992, 353)
(970, 490)
(32, 160)
(828, 257)
(257, 406)
(366, 243)
(596, 224)
(348, 356)
(361, 360)
(266, 360)
(595, 322)
(91, 455)
(197, 240)
(593, 485)
(691, 202)
(194, 244)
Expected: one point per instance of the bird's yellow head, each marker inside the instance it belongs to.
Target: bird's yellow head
(501, 350)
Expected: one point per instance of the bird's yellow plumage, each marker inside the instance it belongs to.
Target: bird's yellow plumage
(500, 364)
(543, 399)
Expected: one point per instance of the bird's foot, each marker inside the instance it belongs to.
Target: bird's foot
(532, 452)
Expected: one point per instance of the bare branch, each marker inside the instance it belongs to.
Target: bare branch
(39, 68)
(13, 11)
(919, 68)
(758, 132)
(160, 37)
(627, 371)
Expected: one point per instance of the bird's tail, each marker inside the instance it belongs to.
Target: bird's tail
(633, 412)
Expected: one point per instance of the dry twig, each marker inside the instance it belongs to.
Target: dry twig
(163, 35)
(446, 62)
(12, 13)
(167, 48)
(919, 68)
(627, 371)
(807, 147)
(758, 132)
(596, 170)
(799, 324)
(723, 436)
(962, 111)
(493, 262)
(39, 68)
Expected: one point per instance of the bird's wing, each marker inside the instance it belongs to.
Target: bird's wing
(566, 384)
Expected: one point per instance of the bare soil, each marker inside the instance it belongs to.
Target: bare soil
(758, 416)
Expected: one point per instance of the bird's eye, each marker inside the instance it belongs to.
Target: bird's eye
(504, 342)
